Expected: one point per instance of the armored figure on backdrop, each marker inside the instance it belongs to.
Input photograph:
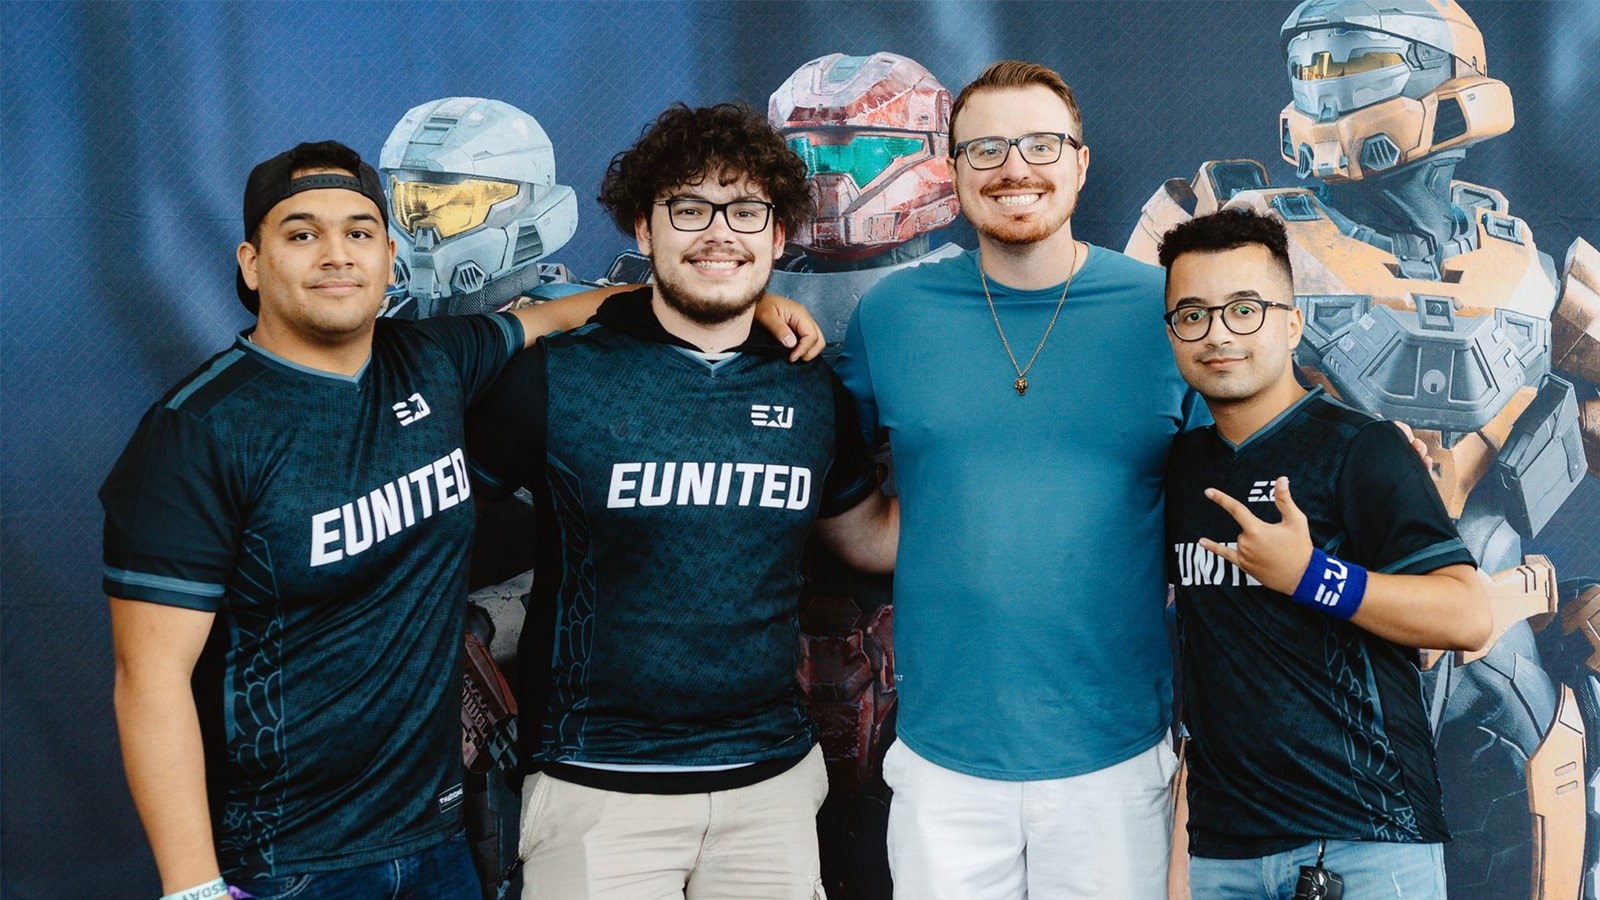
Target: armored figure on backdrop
(475, 210)
(1427, 302)
(874, 133)
(472, 186)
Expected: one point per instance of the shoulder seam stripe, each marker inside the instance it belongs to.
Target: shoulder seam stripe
(204, 378)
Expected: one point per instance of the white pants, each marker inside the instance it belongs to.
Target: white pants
(1105, 835)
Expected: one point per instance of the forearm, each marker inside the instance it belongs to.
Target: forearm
(165, 765)
(1446, 609)
(866, 537)
(786, 319)
(156, 650)
(562, 314)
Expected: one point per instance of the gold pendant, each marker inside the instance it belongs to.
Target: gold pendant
(1021, 384)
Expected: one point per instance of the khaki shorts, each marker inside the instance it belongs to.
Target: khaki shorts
(750, 843)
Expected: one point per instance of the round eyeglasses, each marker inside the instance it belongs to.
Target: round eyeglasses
(1242, 317)
(694, 214)
(1040, 148)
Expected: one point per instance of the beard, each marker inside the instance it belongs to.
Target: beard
(1021, 234)
(1014, 233)
(703, 310)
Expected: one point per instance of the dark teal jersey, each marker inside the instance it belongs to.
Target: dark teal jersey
(676, 496)
(326, 520)
(1303, 726)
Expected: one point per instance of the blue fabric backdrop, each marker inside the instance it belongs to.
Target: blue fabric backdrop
(127, 130)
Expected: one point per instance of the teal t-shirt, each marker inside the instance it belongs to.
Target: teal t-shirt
(1030, 633)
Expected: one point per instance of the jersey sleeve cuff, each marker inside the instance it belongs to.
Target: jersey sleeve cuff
(850, 497)
(494, 488)
(511, 327)
(161, 589)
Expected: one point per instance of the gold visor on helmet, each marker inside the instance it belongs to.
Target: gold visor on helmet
(450, 209)
(1322, 65)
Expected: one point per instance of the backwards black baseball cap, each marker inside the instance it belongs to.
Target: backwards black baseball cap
(273, 181)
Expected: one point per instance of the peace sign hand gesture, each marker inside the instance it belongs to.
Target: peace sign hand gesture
(1275, 554)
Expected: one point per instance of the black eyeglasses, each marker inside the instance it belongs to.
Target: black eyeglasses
(1041, 148)
(694, 214)
(1242, 317)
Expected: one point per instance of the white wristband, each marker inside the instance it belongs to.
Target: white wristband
(216, 888)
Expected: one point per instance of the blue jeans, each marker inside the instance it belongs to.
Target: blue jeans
(1371, 871)
(441, 872)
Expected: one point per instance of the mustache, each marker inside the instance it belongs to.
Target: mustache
(1017, 184)
(1221, 353)
(731, 253)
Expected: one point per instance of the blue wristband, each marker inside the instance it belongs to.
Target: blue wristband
(1331, 585)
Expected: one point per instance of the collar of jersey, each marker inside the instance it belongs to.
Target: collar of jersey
(630, 313)
(274, 360)
(1264, 431)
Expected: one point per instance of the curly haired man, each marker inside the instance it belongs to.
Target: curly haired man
(679, 463)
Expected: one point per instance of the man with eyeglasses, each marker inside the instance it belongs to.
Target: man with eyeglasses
(1029, 400)
(286, 549)
(678, 463)
(1311, 755)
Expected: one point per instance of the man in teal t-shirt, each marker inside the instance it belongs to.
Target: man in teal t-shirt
(1029, 397)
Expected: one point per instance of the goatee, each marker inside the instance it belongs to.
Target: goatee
(701, 311)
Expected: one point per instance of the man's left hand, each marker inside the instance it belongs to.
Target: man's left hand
(1275, 554)
(793, 326)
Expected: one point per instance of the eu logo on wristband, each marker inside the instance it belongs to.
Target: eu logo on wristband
(1331, 585)
(1334, 577)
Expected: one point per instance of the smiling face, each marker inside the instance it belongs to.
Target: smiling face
(1018, 203)
(1224, 367)
(321, 265)
(715, 275)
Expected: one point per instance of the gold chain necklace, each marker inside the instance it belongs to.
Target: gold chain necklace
(1021, 384)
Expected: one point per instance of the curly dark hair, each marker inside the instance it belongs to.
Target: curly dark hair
(728, 141)
(1228, 229)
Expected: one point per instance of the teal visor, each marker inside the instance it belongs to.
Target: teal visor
(864, 158)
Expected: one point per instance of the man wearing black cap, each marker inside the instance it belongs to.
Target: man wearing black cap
(286, 548)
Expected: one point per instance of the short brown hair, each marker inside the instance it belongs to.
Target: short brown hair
(1014, 73)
